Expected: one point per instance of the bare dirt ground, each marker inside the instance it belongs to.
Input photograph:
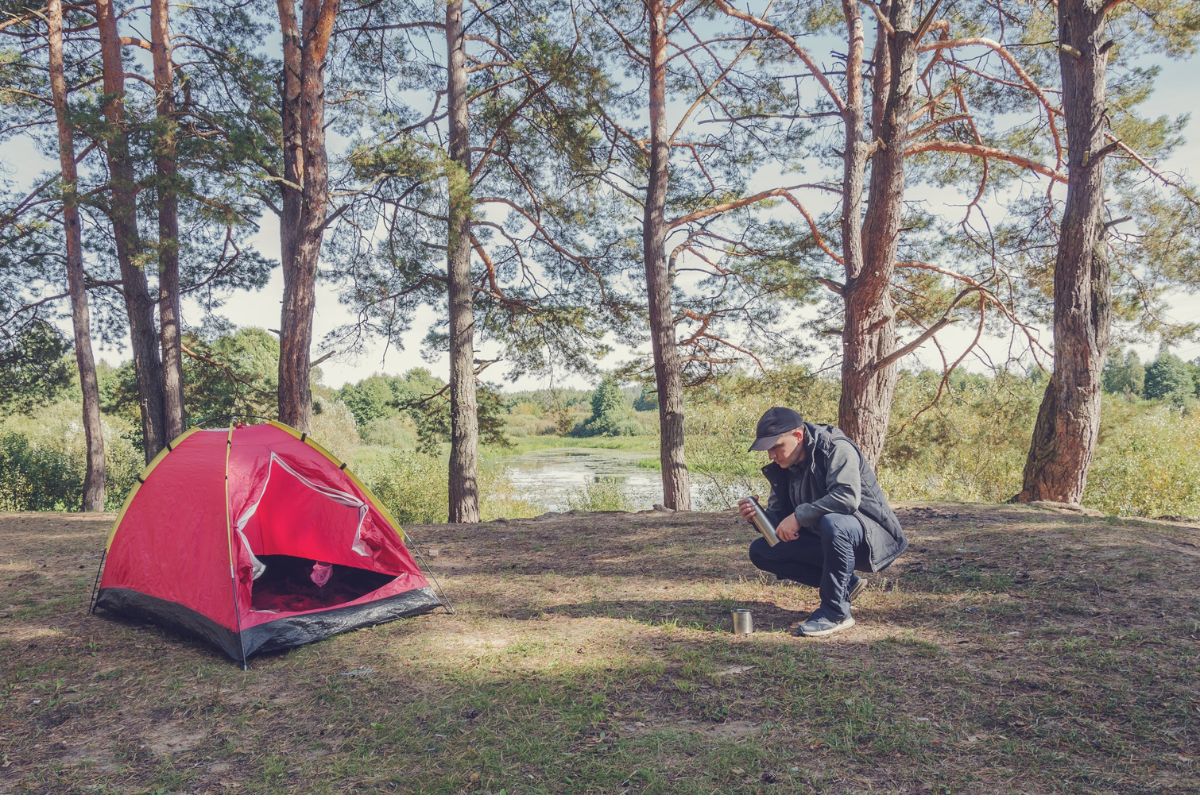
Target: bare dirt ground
(1012, 649)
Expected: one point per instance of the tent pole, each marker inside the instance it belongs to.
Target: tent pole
(437, 590)
(96, 585)
(237, 613)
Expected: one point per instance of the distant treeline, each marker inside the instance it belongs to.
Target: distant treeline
(968, 446)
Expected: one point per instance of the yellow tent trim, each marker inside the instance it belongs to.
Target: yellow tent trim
(362, 487)
(145, 473)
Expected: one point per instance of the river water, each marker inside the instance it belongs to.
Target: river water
(551, 478)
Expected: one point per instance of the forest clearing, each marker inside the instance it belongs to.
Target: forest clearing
(1014, 649)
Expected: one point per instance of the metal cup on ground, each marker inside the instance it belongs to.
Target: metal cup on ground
(743, 622)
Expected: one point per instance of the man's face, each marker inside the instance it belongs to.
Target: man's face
(789, 449)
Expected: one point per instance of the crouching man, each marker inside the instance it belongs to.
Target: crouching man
(828, 511)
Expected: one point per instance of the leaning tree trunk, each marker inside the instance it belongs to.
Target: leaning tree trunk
(464, 408)
(168, 220)
(1068, 422)
(139, 307)
(869, 335)
(93, 482)
(667, 371)
(304, 102)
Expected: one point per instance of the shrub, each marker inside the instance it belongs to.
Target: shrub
(333, 425)
(415, 486)
(1147, 463)
(602, 494)
(397, 431)
(612, 414)
(43, 459)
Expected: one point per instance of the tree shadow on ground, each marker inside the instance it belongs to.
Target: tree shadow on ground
(706, 615)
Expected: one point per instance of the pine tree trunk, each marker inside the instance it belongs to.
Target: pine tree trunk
(667, 371)
(1068, 422)
(139, 306)
(93, 481)
(869, 335)
(293, 146)
(311, 167)
(168, 221)
(464, 409)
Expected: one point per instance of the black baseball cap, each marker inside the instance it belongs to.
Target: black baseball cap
(775, 423)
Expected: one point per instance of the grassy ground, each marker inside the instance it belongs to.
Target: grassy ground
(1013, 649)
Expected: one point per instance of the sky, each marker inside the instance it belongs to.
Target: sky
(1175, 92)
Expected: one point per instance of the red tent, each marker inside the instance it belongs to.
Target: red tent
(255, 538)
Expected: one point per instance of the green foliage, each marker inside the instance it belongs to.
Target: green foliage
(398, 432)
(414, 486)
(1124, 374)
(647, 400)
(37, 478)
(43, 460)
(1147, 463)
(332, 423)
(971, 446)
(1170, 379)
(370, 399)
(602, 494)
(235, 376)
(33, 366)
(611, 412)
(425, 400)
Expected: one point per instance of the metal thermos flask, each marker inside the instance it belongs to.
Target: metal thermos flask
(761, 523)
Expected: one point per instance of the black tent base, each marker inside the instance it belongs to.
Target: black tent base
(279, 634)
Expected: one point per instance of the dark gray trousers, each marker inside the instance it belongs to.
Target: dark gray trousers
(822, 556)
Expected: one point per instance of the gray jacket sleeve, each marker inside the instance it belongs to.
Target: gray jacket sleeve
(775, 508)
(843, 487)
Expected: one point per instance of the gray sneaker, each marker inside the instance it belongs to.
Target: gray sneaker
(819, 623)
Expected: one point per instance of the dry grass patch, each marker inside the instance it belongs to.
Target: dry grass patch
(1013, 649)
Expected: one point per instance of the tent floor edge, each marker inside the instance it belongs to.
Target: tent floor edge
(292, 631)
(138, 606)
(281, 634)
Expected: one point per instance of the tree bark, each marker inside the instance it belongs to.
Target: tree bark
(1068, 422)
(667, 372)
(139, 306)
(306, 167)
(464, 407)
(869, 334)
(93, 482)
(168, 220)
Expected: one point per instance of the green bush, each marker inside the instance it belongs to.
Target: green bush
(602, 494)
(1147, 463)
(398, 431)
(43, 460)
(612, 414)
(333, 425)
(415, 486)
(412, 485)
(970, 447)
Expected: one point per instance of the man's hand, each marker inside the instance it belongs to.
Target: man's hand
(788, 529)
(746, 509)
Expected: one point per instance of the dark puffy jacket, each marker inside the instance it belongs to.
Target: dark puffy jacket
(825, 483)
